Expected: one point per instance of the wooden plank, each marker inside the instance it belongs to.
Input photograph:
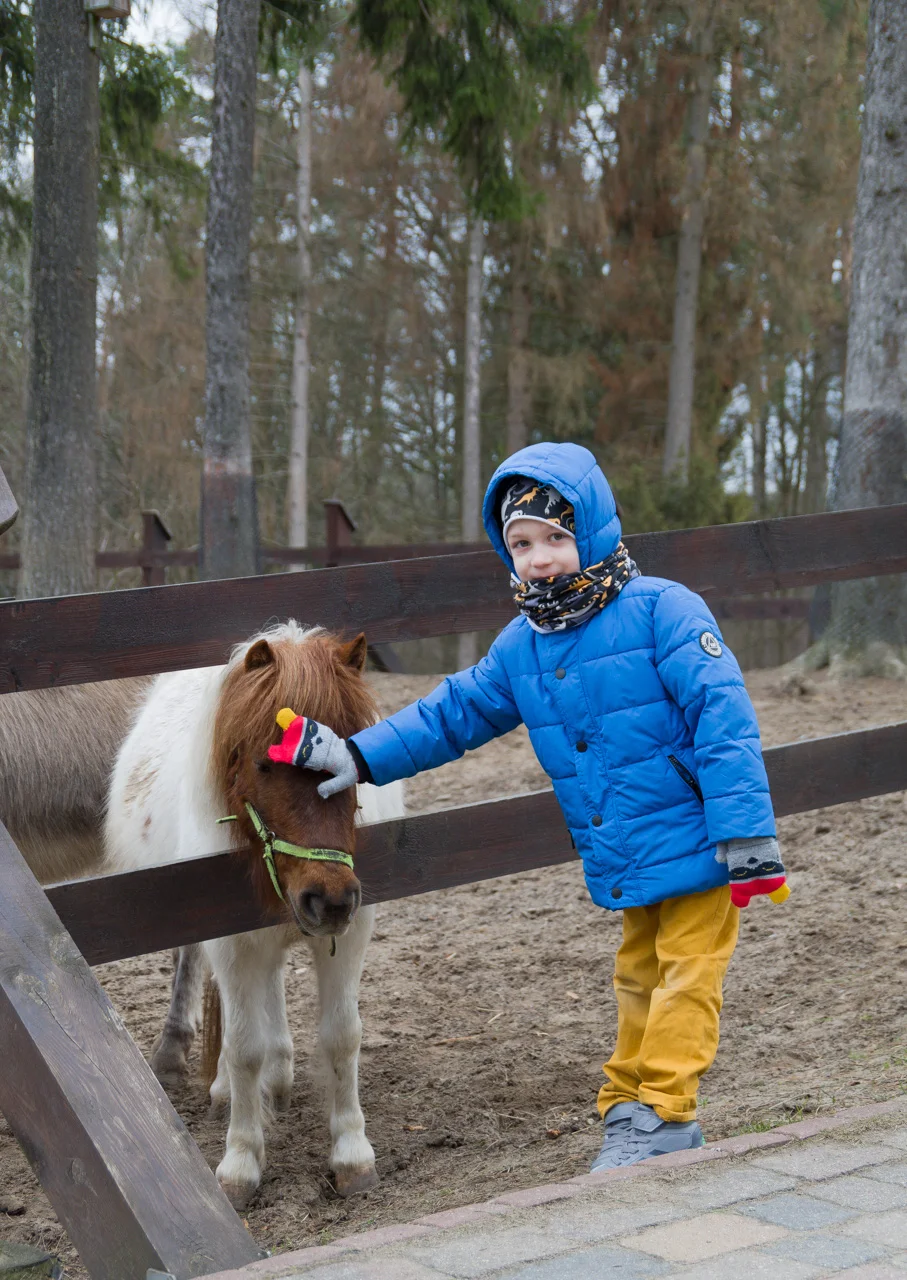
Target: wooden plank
(367, 554)
(111, 917)
(773, 555)
(127, 1181)
(100, 636)
(760, 610)
(104, 635)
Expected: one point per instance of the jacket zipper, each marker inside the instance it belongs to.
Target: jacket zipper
(684, 774)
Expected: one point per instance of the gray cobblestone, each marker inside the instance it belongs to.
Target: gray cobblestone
(721, 1187)
(869, 1195)
(362, 1269)
(798, 1213)
(603, 1263)
(589, 1220)
(889, 1228)
(826, 1251)
(749, 1265)
(471, 1253)
(818, 1160)
(896, 1173)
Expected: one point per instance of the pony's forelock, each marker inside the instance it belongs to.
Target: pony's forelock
(307, 674)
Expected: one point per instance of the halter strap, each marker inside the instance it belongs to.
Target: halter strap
(271, 845)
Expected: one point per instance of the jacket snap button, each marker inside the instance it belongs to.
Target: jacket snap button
(617, 893)
(582, 746)
(560, 673)
(596, 819)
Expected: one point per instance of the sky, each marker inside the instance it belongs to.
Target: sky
(158, 22)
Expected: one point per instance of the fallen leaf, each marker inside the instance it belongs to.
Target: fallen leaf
(552, 1133)
(414, 1128)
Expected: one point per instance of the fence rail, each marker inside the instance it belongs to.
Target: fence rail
(111, 917)
(108, 634)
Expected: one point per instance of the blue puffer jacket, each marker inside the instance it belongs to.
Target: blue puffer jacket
(639, 717)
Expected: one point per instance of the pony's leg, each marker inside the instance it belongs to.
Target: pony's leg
(169, 1059)
(278, 1068)
(246, 967)
(340, 1034)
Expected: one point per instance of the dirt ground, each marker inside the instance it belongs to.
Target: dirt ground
(488, 1009)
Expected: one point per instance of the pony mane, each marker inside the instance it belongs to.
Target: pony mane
(307, 673)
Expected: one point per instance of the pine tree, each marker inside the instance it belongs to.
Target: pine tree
(868, 631)
(229, 523)
(59, 502)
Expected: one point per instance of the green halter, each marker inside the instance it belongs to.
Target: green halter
(272, 845)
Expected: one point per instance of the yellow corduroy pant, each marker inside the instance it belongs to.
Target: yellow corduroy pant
(668, 975)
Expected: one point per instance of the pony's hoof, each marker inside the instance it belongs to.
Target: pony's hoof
(240, 1194)
(169, 1066)
(280, 1101)
(352, 1182)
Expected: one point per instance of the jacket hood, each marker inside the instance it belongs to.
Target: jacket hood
(574, 472)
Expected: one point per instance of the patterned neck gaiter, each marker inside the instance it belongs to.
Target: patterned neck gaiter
(554, 604)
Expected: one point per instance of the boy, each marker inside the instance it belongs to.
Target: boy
(639, 715)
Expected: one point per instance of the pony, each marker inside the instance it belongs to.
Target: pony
(57, 747)
(197, 753)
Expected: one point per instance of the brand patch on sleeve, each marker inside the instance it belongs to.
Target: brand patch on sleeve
(710, 645)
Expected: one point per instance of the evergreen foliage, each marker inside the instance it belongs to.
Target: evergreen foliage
(473, 75)
(597, 249)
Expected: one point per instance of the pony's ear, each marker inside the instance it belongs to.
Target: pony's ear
(354, 653)
(259, 655)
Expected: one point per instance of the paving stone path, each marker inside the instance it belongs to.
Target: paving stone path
(825, 1197)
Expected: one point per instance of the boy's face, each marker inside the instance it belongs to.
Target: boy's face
(540, 550)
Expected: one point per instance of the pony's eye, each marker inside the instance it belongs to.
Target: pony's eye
(263, 766)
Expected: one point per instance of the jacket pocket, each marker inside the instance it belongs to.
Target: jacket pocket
(684, 774)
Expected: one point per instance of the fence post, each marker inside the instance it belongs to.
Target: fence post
(155, 537)
(338, 529)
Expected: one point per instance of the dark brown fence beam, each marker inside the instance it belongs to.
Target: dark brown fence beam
(118, 1165)
(111, 917)
(74, 639)
(760, 610)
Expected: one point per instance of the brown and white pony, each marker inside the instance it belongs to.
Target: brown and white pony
(198, 752)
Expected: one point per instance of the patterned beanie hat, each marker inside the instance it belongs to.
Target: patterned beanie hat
(527, 499)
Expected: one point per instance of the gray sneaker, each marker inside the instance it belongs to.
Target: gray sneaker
(618, 1121)
(644, 1135)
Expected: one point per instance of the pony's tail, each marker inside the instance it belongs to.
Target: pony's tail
(212, 1032)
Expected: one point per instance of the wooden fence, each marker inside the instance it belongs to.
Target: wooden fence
(154, 557)
(126, 1180)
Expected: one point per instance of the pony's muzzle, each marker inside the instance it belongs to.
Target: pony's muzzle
(326, 911)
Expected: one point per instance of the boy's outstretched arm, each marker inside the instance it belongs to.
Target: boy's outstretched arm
(705, 681)
(463, 712)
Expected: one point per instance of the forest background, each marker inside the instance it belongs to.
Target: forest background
(578, 294)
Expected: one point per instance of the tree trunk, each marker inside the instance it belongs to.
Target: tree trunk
(472, 473)
(297, 482)
(59, 537)
(517, 355)
(681, 376)
(229, 534)
(829, 362)
(760, 415)
(869, 617)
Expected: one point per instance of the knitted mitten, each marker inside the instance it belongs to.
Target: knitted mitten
(754, 867)
(314, 746)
